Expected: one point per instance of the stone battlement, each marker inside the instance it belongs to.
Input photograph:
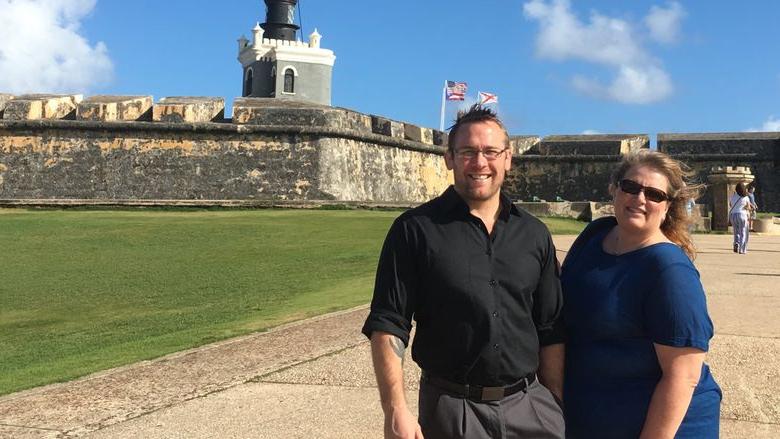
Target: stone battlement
(272, 42)
(278, 43)
(274, 112)
(730, 170)
(185, 148)
(202, 109)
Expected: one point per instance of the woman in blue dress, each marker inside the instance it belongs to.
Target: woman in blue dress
(636, 314)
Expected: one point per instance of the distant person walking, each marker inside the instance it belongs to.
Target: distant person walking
(739, 213)
(751, 187)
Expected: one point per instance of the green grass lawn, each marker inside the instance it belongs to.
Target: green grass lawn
(86, 290)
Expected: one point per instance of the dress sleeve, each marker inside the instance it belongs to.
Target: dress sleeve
(676, 309)
(548, 299)
(395, 287)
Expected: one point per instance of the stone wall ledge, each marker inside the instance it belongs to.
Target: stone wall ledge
(729, 156)
(220, 128)
(601, 138)
(567, 158)
(753, 157)
(592, 144)
(239, 204)
(345, 133)
(746, 135)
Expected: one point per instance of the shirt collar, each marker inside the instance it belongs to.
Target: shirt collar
(451, 201)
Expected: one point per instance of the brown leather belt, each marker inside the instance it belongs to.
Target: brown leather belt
(478, 393)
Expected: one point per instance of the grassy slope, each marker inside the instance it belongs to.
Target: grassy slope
(82, 291)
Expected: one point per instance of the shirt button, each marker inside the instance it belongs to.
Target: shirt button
(495, 313)
(492, 282)
(495, 346)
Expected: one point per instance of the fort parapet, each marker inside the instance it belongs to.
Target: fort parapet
(61, 149)
(272, 149)
(757, 151)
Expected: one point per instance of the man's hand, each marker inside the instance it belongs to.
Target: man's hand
(401, 424)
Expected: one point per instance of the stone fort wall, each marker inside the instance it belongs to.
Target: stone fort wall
(128, 150)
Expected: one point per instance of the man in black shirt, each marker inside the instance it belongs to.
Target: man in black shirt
(480, 278)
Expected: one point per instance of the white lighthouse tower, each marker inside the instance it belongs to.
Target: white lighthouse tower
(278, 65)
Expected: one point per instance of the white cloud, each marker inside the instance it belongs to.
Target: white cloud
(664, 23)
(638, 78)
(41, 49)
(771, 124)
(563, 36)
(591, 132)
(632, 85)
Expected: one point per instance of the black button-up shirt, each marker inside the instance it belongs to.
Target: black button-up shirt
(483, 303)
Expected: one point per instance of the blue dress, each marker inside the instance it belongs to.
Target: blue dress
(615, 308)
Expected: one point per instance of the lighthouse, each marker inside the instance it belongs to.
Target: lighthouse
(276, 64)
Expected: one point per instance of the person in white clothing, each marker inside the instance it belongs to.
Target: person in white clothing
(739, 213)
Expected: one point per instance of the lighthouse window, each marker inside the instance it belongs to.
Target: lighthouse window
(289, 81)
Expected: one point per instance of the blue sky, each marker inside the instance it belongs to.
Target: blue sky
(558, 67)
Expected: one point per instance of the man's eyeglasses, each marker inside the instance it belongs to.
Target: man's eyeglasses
(651, 193)
(490, 154)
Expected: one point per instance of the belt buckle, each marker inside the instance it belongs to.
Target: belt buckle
(492, 393)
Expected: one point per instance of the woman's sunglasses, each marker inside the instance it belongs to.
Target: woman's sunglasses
(651, 193)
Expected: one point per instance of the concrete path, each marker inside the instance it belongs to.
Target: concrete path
(313, 379)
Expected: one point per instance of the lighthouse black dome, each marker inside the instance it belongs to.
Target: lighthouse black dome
(280, 19)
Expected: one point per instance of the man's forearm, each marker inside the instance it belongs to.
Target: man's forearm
(387, 352)
(551, 360)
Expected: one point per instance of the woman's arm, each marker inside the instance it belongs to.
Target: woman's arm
(681, 368)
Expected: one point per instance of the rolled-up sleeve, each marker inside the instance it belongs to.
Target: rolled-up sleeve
(395, 288)
(548, 299)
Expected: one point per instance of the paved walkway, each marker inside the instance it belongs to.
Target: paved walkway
(313, 379)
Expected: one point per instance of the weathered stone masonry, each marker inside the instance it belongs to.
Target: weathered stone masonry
(759, 151)
(279, 150)
(577, 168)
(125, 149)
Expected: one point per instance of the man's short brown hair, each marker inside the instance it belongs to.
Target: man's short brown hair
(477, 113)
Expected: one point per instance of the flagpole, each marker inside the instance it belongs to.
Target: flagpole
(441, 114)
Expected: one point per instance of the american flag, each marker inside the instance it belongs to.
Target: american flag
(456, 91)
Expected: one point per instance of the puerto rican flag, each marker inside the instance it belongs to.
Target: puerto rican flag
(456, 91)
(487, 98)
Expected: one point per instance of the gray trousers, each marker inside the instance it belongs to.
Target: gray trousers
(741, 229)
(532, 413)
